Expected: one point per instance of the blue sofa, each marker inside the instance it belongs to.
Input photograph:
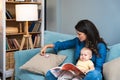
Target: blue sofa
(50, 37)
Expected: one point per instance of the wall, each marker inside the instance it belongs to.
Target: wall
(51, 15)
(104, 13)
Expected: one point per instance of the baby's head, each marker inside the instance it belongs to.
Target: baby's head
(86, 54)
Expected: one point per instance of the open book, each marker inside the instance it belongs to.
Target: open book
(69, 69)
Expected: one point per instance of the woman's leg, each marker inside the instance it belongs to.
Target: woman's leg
(50, 76)
(93, 75)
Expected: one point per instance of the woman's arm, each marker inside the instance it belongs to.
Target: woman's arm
(100, 60)
(60, 45)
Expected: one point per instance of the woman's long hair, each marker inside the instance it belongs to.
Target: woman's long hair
(93, 37)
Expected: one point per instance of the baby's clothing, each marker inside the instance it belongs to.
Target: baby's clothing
(84, 65)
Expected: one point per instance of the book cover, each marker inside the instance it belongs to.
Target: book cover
(67, 68)
(36, 26)
(31, 26)
(8, 15)
(37, 41)
(7, 46)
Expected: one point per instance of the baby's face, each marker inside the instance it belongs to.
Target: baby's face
(85, 55)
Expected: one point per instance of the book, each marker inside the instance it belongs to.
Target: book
(7, 46)
(8, 15)
(31, 26)
(11, 29)
(37, 41)
(67, 69)
(36, 26)
(17, 45)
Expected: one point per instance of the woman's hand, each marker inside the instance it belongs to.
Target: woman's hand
(43, 50)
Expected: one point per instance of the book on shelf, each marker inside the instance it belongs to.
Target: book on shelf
(17, 45)
(36, 27)
(7, 46)
(9, 15)
(11, 29)
(12, 44)
(31, 26)
(37, 41)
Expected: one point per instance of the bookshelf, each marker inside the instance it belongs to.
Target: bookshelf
(13, 32)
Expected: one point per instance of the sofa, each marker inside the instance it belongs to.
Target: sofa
(21, 57)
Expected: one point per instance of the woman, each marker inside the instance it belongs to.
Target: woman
(88, 36)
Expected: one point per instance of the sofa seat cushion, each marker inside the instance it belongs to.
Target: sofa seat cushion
(26, 75)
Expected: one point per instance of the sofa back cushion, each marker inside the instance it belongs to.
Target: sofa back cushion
(52, 37)
(113, 53)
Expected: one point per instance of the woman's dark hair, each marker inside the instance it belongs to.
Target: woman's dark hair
(93, 37)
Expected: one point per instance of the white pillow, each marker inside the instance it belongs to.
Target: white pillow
(111, 69)
(41, 64)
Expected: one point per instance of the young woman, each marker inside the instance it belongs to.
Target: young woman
(88, 36)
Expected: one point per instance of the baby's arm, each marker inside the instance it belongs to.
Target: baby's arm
(91, 67)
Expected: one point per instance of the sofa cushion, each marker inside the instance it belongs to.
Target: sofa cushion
(41, 64)
(26, 75)
(52, 37)
(111, 69)
(114, 52)
(69, 53)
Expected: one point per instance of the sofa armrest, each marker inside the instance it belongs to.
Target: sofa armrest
(22, 57)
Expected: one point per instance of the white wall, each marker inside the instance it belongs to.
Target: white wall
(104, 13)
(51, 15)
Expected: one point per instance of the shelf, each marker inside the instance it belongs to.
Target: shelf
(21, 2)
(16, 34)
(13, 34)
(12, 50)
(19, 21)
(10, 19)
(35, 32)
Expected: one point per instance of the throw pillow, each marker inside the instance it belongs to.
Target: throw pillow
(111, 69)
(41, 64)
(113, 53)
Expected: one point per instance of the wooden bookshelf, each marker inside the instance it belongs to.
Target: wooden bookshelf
(17, 35)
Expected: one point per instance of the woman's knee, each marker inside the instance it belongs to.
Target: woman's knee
(50, 76)
(93, 75)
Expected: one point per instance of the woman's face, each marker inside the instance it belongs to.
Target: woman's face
(82, 36)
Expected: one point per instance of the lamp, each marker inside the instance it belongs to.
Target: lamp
(26, 12)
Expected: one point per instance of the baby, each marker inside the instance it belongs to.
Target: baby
(84, 64)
